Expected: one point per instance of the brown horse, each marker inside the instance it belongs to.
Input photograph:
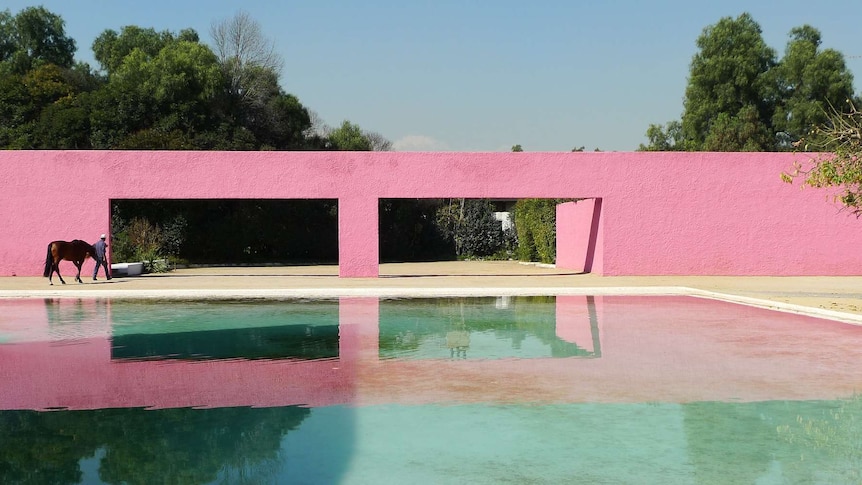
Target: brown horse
(75, 251)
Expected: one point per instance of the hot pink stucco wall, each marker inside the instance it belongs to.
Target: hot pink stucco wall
(579, 235)
(662, 213)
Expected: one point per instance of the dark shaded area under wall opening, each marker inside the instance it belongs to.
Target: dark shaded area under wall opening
(226, 231)
(452, 228)
(305, 231)
(409, 231)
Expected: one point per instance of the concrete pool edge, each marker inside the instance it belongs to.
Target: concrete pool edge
(406, 292)
(844, 317)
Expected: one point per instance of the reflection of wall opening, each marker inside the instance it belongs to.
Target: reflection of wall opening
(524, 327)
(227, 231)
(301, 342)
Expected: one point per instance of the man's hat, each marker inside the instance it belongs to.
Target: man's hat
(102, 237)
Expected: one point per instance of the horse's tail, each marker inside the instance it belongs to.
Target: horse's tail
(49, 262)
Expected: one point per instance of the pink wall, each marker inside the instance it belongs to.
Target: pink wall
(579, 235)
(661, 214)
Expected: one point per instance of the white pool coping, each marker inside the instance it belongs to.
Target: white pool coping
(290, 293)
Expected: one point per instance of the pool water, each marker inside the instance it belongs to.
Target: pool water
(564, 389)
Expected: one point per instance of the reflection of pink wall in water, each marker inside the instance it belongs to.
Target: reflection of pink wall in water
(576, 316)
(72, 368)
(54, 319)
(359, 329)
(670, 349)
(661, 213)
(653, 349)
(81, 375)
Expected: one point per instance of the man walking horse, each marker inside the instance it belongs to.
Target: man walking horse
(101, 249)
(75, 251)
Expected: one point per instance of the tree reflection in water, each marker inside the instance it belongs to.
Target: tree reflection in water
(142, 446)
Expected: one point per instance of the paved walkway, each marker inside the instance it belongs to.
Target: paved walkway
(834, 297)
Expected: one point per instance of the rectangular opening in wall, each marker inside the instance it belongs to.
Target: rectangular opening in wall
(225, 231)
(467, 228)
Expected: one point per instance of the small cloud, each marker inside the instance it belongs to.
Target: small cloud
(418, 143)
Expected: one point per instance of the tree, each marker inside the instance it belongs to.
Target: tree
(807, 80)
(517, 148)
(664, 139)
(349, 136)
(478, 233)
(247, 57)
(171, 94)
(838, 163)
(739, 98)
(471, 225)
(42, 109)
(727, 90)
(744, 132)
(33, 37)
(280, 124)
(17, 110)
(63, 125)
(535, 223)
(251, 68)
(7, 35)
(378, 142)
(111, 48)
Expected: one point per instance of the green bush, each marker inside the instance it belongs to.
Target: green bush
(536, 227)
(470, 223)
(141, 240)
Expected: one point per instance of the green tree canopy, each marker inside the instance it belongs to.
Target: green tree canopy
(740, 98)
(155, 90)
(807, 80)
(349, 136)
(727, 90)
(110, 48)
(32, 38)
(664, 139)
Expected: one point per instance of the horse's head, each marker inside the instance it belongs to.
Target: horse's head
(86, 247)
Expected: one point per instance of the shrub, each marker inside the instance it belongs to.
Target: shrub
(470, 223)
(536, 227)
(141, 240)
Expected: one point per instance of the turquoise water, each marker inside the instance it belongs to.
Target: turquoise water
(455, 390)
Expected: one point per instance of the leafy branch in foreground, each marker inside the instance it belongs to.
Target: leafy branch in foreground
(837, 158)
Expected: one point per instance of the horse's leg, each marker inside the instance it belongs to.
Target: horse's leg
(78, 265)
(57, 269)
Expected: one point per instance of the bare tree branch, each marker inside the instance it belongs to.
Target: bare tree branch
(248, 58)
(379, 143)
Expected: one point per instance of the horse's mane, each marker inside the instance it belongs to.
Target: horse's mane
(91, 248)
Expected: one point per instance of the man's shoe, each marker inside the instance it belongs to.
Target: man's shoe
(94, 278)
(109, 278)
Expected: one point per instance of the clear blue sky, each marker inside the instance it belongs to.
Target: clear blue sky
(466, 75)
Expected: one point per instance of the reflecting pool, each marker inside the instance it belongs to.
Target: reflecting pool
(567, 389)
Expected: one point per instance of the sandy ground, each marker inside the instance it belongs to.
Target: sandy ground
(830, 294)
